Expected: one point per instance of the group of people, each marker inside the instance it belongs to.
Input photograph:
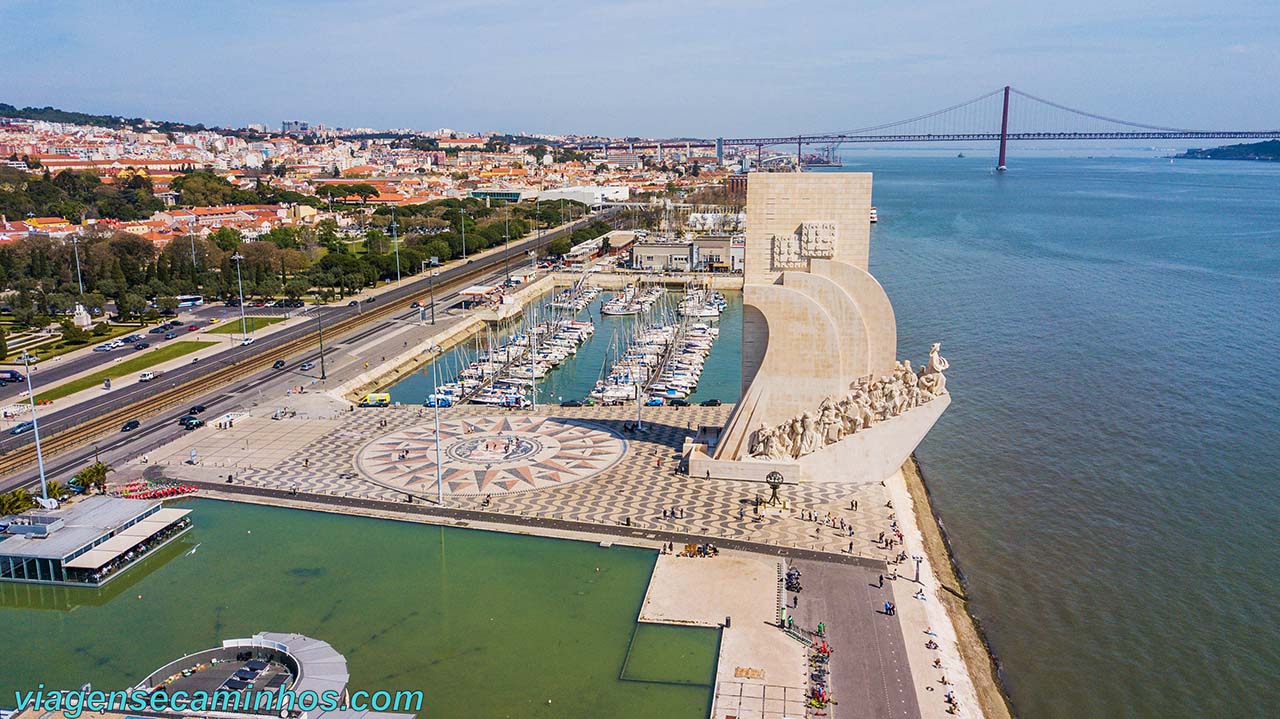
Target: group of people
(870, 400)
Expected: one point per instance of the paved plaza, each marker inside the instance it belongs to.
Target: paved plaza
(585, 467)
(491, 454)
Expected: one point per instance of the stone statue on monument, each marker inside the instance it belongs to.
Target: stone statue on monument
(829, 422)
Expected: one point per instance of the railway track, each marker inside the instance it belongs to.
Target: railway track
(166, 399)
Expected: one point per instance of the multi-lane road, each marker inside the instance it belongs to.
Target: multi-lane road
(51, 371)
(489, 268)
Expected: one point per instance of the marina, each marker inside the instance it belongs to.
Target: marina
(573, 350)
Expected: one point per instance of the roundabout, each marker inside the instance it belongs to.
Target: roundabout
(491, 454)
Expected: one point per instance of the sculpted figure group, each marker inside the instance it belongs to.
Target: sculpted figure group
(869, 401)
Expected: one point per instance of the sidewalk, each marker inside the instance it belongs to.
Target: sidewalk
(918, 616)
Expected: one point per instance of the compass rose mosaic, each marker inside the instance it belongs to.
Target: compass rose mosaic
(492, 455)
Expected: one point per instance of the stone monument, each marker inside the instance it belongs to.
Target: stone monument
(81, 318)
(824, 395)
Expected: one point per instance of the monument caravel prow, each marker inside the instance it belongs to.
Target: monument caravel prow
(824, 396)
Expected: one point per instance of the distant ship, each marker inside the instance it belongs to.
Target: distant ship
(961, 155)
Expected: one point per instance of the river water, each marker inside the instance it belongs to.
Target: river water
(484, 624)
(1108, 470)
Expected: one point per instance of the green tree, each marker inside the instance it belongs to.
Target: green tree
(95, 476)
(72, 334)
(559, 246)
(226, 238)
(376, 242)
(130, 305)
(296, 287)
(16, 502)
(4, 345)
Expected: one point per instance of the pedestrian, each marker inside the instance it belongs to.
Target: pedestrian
(880, 582)
(850, 547)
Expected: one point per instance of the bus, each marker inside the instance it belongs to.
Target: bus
(190, 300)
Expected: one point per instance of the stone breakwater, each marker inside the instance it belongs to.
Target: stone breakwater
(981, 663)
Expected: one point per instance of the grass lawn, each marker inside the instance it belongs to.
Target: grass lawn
(143, 360)
(231, 325)
(57, 346)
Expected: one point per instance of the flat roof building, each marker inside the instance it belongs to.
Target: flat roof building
(87, 542)
(663, 255)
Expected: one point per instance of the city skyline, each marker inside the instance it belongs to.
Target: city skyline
(651, 69)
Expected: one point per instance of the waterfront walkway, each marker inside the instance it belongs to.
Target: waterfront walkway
(639, 488)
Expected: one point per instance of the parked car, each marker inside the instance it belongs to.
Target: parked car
(22, 427)
(711, 402)
(352, 303)
(571, 403)
(103, 348)
(677, 402)
(307, 366)
(175, 323)
(653, 402)
(186, 418)
(158, 330)
(278, 364)
(130, 425)
(170, 335)
(193, 423)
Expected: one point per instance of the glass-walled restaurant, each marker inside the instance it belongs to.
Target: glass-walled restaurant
(87, 542)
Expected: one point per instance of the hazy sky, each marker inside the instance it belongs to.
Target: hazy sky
(654, 68)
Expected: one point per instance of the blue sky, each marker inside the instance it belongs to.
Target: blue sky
(653, 68)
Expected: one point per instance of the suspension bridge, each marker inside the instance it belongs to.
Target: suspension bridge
(1004, 115)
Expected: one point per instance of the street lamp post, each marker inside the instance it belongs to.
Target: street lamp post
(395, 242)
(462, 221)
(35, 425)
(75, 245)
(506, 245)
(320, 326)
(244, 324)
(435, 400)
(432, 288)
